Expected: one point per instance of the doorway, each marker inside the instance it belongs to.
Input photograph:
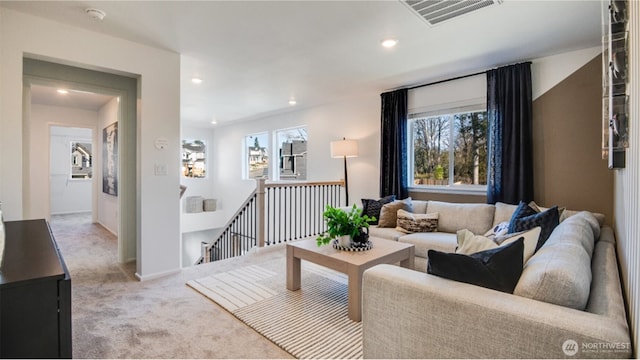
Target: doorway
(71, 169)
(122, 92)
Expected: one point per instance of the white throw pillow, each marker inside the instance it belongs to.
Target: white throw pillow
(498, 230)
(468, 243)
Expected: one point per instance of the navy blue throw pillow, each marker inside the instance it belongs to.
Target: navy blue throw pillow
(497, 269)
(521, 211)
(547, 220)
(372, 207)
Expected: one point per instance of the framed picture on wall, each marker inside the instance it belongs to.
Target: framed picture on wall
(110, 159)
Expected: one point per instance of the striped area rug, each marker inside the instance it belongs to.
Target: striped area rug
(310, 323)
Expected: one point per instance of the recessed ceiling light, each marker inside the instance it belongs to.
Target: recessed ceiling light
(213, 122)
(292, 102)
(389, 43)
(62, 91)
(196, 80)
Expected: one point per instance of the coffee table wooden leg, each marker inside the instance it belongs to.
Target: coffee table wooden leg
(293, 270)
(355, 293)
(409, 262)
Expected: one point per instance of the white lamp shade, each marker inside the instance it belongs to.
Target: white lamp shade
(344, 148)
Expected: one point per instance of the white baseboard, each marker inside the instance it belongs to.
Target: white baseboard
(157, 275)
(107, 228)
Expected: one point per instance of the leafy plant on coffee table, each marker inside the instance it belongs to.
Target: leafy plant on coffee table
(341, 223)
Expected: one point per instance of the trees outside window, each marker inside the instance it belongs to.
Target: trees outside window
(449, 149)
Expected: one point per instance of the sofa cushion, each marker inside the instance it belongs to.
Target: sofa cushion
(560, 271)
(389, 212)
(497, 269)
(411, 223)
(468, 243)
(385, 233)
(424, 242)
(568, 213)
(547, 220)
(503, 213)
(372, 207)
(419, 206)
(478, 218)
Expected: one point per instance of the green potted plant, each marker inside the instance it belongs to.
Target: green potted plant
(345, 226)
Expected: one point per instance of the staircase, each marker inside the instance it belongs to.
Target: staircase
(274, 213)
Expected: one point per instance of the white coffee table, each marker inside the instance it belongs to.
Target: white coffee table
(351, 263)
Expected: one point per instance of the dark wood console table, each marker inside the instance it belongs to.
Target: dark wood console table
(35, 294)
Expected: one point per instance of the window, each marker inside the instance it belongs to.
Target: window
(257, 150)
(81, 160)
(289, 155)
(449, 148)
(194, 159)
(292, 151)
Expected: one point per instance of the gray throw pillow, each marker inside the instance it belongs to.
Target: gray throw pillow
(547, 220)
(389, 212)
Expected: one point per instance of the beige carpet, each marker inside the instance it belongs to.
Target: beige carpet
(308, 323)
(116, 316)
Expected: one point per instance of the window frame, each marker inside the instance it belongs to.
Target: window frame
(474, 105)
(72, 165)
(245, 152)
(205, 158)
(273, 151)
(276, 167)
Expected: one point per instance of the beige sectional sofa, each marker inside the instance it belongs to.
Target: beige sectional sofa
(567, 304)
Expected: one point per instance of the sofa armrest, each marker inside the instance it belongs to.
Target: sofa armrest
(409, 314)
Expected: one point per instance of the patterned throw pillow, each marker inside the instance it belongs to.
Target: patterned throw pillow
(416, 223)
(498, 230)
(497, 269)
(539, 208)
(372, 207)
(521, 211)
(547, 220)
(389, 212)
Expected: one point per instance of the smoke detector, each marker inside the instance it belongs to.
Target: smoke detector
(95, 14)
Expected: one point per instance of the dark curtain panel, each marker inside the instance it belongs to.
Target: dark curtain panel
(510, 173)
(393, 147)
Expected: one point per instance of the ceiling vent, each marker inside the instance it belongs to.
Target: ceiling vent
(437, 11)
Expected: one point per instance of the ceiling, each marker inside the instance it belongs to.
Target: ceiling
(46, 95)
(254, 56)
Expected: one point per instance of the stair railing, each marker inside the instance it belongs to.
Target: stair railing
(274, 213)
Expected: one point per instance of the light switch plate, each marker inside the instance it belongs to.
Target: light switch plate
(161, 170)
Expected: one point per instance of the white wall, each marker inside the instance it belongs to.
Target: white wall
(68, 195)
(158, 227)
(107, 204)
(356, 118)
(627, 188)
(548, 71)
(359, 118)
